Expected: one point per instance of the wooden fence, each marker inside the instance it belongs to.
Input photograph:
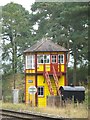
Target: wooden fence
(54, 101)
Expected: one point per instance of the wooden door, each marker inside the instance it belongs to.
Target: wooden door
(54, 62)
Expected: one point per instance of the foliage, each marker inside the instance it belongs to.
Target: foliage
(16, 35)
(7, 86)
(67, 24)
(82, 73)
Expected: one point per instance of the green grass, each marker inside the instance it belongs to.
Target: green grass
(70, 111)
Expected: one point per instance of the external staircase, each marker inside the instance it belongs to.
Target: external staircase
(53, 86)
(56, 80)
(49, 83)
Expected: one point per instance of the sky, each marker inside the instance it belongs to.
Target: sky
(25, 3)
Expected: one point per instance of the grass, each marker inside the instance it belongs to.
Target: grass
(0, 104)
(68, 111)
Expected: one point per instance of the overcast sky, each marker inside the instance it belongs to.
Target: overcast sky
(25, 3)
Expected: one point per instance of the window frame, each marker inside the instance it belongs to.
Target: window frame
(30, 65)
(43, 59)
(40, 95)
(61, 60)
(52, 59)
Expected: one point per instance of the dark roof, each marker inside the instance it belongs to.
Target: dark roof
(45, 45)
(75, 88)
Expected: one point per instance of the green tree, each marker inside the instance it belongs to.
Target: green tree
(76, 16)
(16, 34)
(67, 24)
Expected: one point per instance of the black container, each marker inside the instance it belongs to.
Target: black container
(76, 93)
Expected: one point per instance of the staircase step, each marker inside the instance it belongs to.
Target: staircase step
(56, 80)
(49, 83)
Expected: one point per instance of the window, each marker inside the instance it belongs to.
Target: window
(61, 59)
(40, 91)
(40, 58)
(46, 58)
(54, 58)
(30, 62)
(43, 58)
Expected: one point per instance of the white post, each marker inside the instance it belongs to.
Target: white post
(15, 96)
(33, 101)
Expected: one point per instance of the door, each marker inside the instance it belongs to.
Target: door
(54, 62)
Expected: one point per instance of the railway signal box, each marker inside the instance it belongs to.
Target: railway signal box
(45, 68)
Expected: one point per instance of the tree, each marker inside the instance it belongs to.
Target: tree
(77, 19)
(67, 24)
(16, 34)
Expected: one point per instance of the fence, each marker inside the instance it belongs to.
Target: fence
(55, 101)
(0, 94)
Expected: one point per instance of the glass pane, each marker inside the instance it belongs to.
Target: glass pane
(60, 59)
(47, 60)
(40, 58)
(40, 90)
(43, 58)
(42, 93)
(53, 58)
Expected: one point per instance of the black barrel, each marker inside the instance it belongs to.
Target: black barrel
(76, 93)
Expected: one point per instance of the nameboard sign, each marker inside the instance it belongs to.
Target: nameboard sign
(30, 81)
